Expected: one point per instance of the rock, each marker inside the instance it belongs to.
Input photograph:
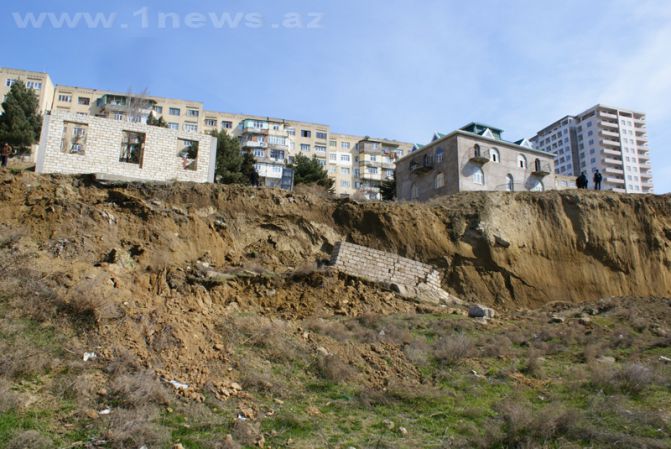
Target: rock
(606, 359)
(585, 321)
(92, 414)
(219, 347)
(403, 431)
(556, 319)
(178, 446)
(388, 424)
(313, 411)
(322, 350)
(501, 242)
(478, 311)
(102, 392)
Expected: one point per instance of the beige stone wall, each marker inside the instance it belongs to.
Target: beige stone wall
(103, 148)
(379, 266)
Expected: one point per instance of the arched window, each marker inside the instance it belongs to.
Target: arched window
(521, 161)
(476, 150)
(494, 155)
(440, 155)
(479, 176)
(439, 181)
(537, 185)
(414, 194)
(510, 183)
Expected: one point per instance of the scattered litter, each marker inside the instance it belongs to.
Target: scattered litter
(178, 385)
(89, 356)
(664, 359)
(106, 411)
(241, 417)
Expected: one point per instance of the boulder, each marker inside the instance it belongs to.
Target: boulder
(478, 311)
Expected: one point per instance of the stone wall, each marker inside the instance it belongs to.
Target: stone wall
(102, 148)
(380, 266)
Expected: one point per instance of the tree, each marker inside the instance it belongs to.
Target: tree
(388, 189)
(153, 121)
(228, 168)
(310, 171)
(248, 169)
(21, 122)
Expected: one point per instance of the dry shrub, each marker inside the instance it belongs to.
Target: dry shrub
(418, 352)
(534, 366)
(451, 349)
(496, 346)
(9, 400)
(139, 390)
(135, 428)
(30, 439)
(274, 338)
(123, 362)
(632, 378)
(246, 432)
(22, 358)
(89, 307)
(333, 369)
(80, 387)
(334, 329)
(258, 375)
(228, 443)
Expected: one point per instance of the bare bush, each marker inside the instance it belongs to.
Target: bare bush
(135, 428)
(246, 432)
(22, 358)
(418, 352)
(258, 376)
(30, 439)
(451, 349)
(332, 368)
(632, 378)
(533, 366)
(139, 390)
(9, 400)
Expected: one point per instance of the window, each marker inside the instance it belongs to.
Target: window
(373, 158)
(494, 155)
(190, 127)
(158, 109)
(84, 100)
(521, 161)
(118, 116)
(278, 155)
(187, 150)
(210, 122)
(291, 131)
(65, 98)
(333, 143)
(440, 155)
(259, 153)
(36, 85)
(320, 148)
(322, 162)
(345, 170)
(10, 83)
(192, 113)
(510, 183)
(333, 170)
(345, 145)
(372, 170)
(132, 148)
(478, 176)
(537, 185)
(305, 147)
(174, 111)
(277, 140)
(226, 124)
(345, 158)
(74, 138)
(306, 133)
(321, 135)
(173, 125)
(333, 157)
(357, 172)
(277, 169)
(345, 184)
(439, 181)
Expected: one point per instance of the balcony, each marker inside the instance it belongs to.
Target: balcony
(612, 152)
(541, 169)
(421, 164)
(369, 148)
(615, 181)
(254, 130)
(606, 133)
(605, 114)
(478, 156)
(609, 124)
(610, 142)
(253, 144)
(612, 161)
(613, 171)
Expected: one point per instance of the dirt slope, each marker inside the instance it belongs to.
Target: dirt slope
(510, 249)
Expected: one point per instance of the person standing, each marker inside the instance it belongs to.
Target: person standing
(597, 180)
(582, 181)
(4, 153)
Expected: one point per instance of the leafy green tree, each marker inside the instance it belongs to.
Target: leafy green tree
(228, 169)
(310, 171)
(248, 169)
(388, 189)
(21, 122)
(153, 121)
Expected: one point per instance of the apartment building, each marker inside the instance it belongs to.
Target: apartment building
(609, 139)
(475, 158)
(357, 164)
(37, 81)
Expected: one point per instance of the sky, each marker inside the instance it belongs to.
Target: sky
(399, 69)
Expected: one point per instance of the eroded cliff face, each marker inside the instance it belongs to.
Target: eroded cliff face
(527, 249)
(512, 250)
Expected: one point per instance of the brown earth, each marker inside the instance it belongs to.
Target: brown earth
(138, 261)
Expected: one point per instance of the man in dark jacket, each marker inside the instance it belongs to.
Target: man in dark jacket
(597, 180)
(582, 181)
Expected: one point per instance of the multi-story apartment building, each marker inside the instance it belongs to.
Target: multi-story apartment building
(40, 83)
(611, 140)
(357, 164)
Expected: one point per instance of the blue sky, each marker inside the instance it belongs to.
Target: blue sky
(389, 68)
